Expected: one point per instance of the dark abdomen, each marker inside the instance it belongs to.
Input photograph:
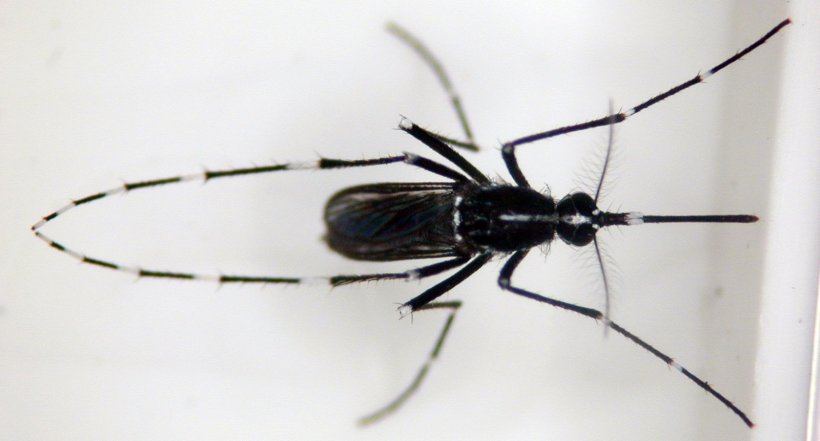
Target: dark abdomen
(380, 222)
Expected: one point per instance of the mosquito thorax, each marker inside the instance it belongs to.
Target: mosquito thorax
(504, 217)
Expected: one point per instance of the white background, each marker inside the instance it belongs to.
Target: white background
(94, 93)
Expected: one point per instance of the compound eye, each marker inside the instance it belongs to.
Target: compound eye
(583, 203)
(577, 235)
(583, 235)
(577, 203)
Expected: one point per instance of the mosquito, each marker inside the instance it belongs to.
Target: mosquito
(466, 220)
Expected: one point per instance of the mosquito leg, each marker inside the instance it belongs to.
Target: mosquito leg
(347, 279)
(508, 150)
(411, 389)
(333, 281)
(414, 274)
(418, 302)
(435, 142)
(208, 175)
(425, 54)
(505, 284)
(407, 158)
(321, 164)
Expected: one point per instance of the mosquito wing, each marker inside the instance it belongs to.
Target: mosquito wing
(381, 222)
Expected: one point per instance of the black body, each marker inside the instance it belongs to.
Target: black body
(395, 221)
(382, 222)
(468, 220)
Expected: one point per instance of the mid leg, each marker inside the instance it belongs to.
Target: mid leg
(417, 303)
(425, 302)
(438, 70)
(435, 142)
(505, 284)
(414, 274)
(411, 389)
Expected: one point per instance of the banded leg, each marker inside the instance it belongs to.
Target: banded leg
(424, 302)
(208, 175)
(504, 282)
(435, 142)
(508, 150)
(411, 389)
(332, 281)
(437, 68)
(418, 302)
(414, 274)
(321, 164)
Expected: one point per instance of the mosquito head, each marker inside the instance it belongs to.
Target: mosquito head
(579, 219)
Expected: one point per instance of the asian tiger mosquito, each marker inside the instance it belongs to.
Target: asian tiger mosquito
(467, 220)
